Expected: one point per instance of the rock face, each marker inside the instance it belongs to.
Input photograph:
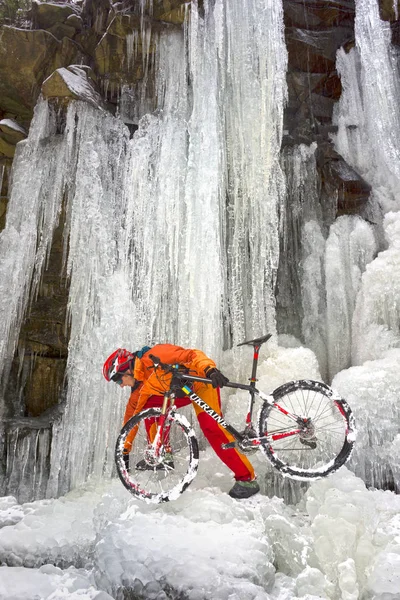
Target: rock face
(315, 30)
(84, 51)
(72, 83)
(35, 55)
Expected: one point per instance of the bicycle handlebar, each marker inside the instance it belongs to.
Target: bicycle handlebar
(175, 369)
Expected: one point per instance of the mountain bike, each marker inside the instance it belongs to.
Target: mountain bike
(304, 429)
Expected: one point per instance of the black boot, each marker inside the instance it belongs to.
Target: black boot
(244, 489)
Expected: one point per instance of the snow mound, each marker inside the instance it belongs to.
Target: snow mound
(373, 392)
(61, 531)
(47, 583)
(230, 558)
(342, 542)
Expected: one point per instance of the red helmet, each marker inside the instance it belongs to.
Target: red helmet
(119, 361)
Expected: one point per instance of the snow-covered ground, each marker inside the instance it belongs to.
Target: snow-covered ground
(340, 542)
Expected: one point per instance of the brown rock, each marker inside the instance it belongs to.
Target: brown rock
(27, 57)
(353, 191)
(318, 14)
(3, 210)
(6, 148)
(95, 15)
(387, 10)
(170, 11)
(12, 131)
(71, 84)
(61, 30)
(330, 86)
(75, 21)
(46, 15)
(315, 51)
(43, 384)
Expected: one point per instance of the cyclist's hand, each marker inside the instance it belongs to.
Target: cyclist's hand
(218, 380)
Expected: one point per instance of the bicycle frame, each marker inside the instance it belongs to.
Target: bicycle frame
(248, 437)
(241, 438)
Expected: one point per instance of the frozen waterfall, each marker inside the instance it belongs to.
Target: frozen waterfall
(170, 236)
(33, 212)
(368, 119)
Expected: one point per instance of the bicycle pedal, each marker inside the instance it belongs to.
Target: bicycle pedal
(228, 446)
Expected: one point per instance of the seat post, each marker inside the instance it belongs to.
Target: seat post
(253, 380)
(257, 343)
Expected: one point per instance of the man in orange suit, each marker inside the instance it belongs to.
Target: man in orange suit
(133, 369)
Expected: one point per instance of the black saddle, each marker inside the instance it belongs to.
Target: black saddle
(258, 341)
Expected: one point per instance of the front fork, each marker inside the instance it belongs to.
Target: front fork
(161, 439)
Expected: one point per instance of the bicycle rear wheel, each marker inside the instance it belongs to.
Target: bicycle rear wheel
(161, 478)
(310, 430)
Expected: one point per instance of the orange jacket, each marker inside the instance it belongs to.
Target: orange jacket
(155, 383)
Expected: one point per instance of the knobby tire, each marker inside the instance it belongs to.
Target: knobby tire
(321, 452)
(157, 484)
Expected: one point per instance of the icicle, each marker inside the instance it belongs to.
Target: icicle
(99, 302)
(376, 325)
(2, 169)
(313, 301)
(154, 189)
(349, 248)
(131, 48)
(32, 215)
(396, 9)
(368, 113)
(26, 454)
(300, 203)
(254, 92)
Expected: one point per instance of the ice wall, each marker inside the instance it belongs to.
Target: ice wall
(349, 248)
(172, 191)
(368, 117)
(376, 323)
(99, 301)
(320, 264)
(313, 296)
(253, 95)
(368, 113)
(32, 215)
(202, 223)
(301, 283)
(174, 244)
(172, 236)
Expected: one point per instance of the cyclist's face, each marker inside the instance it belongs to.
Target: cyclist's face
(124, 379)
(127, 380)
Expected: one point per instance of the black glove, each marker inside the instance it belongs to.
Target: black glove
(218, 380)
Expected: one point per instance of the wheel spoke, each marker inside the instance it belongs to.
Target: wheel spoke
(321, 444)
(158, 479)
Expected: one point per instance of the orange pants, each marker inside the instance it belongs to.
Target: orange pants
(215, 434)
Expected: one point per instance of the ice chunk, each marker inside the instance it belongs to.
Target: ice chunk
(376, 325)
(350, 247)
(372, 391)
(47, 583)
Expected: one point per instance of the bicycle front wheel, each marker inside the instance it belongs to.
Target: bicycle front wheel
(308, 430)
(160, 476)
